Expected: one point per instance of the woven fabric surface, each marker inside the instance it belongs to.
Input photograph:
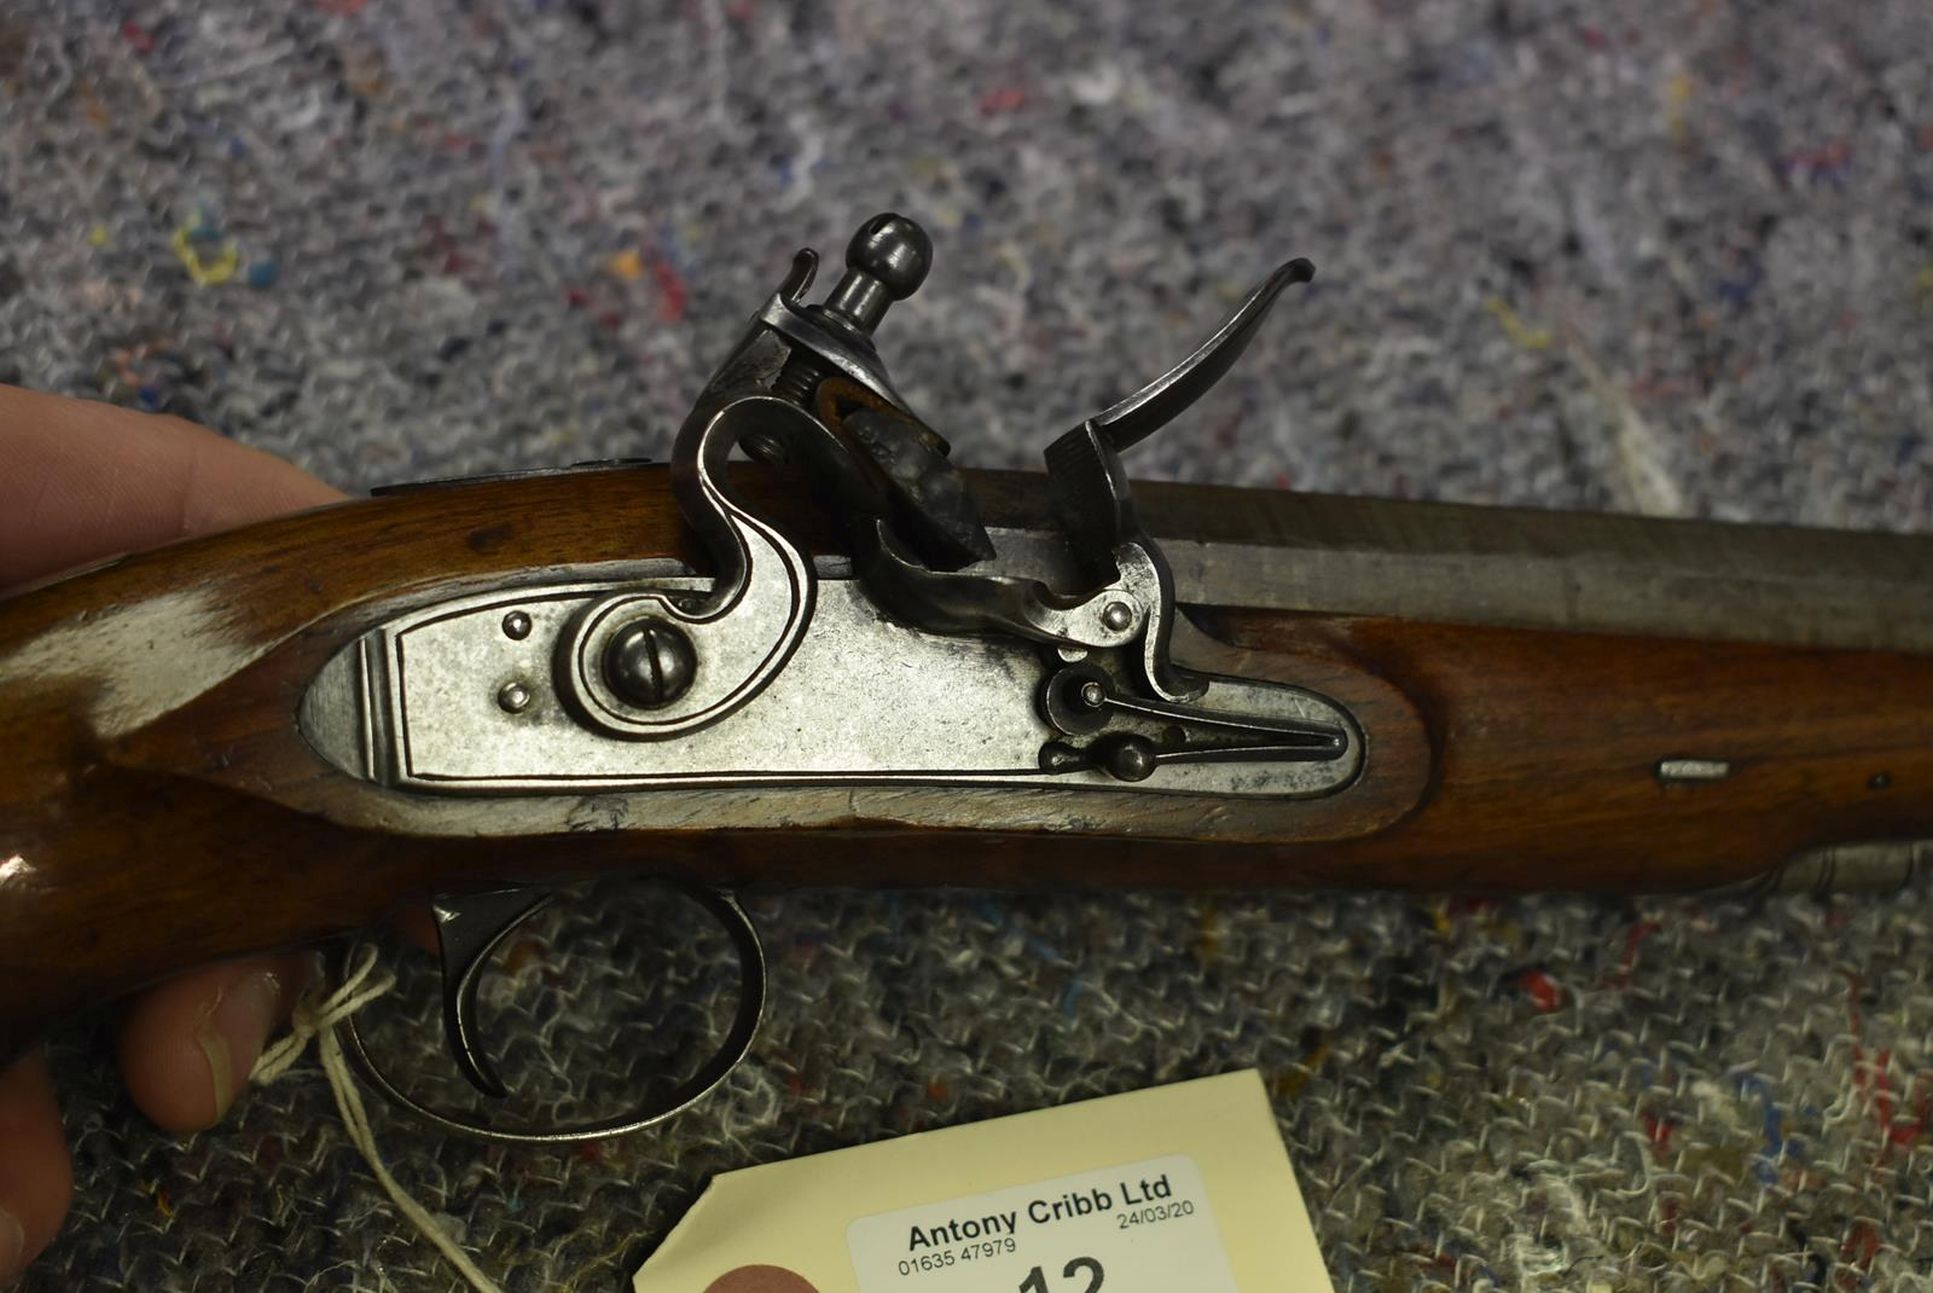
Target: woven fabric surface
(1669, 258)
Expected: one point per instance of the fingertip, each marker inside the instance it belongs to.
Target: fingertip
(88, 480)
(418, 926)
(188, 1046)
(761, 1279)
(36, 1175)
(227, 483)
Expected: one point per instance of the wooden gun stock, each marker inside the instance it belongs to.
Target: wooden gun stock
(1545, 702)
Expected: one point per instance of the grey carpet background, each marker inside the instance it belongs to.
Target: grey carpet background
(1672, 257)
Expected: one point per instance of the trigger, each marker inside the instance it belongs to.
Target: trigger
(468, 929)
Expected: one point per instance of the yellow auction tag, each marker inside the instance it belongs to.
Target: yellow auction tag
(1178, 1187)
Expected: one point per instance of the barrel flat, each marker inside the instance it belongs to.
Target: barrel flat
(1530, 568)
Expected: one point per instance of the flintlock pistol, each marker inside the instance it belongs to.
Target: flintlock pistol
(850, 662)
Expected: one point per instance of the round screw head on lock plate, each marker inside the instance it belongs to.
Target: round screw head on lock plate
(649, 663)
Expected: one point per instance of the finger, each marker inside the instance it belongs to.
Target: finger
(188, 1046)
(418, 928)
(36, 1178)
(761, 1279)
(86, 480)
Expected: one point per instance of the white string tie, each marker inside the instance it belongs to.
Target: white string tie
(316, 1016)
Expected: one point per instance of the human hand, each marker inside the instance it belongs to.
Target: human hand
(761, 1279)
(85, 481)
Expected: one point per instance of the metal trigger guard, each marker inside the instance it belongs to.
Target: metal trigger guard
(737, 925)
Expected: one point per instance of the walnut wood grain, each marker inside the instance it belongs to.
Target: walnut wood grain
(158, 807)
(1548, 745)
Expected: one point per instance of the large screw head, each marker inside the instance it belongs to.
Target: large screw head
(649, 663)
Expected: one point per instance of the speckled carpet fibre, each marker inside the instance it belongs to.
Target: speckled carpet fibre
(1672, 258)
